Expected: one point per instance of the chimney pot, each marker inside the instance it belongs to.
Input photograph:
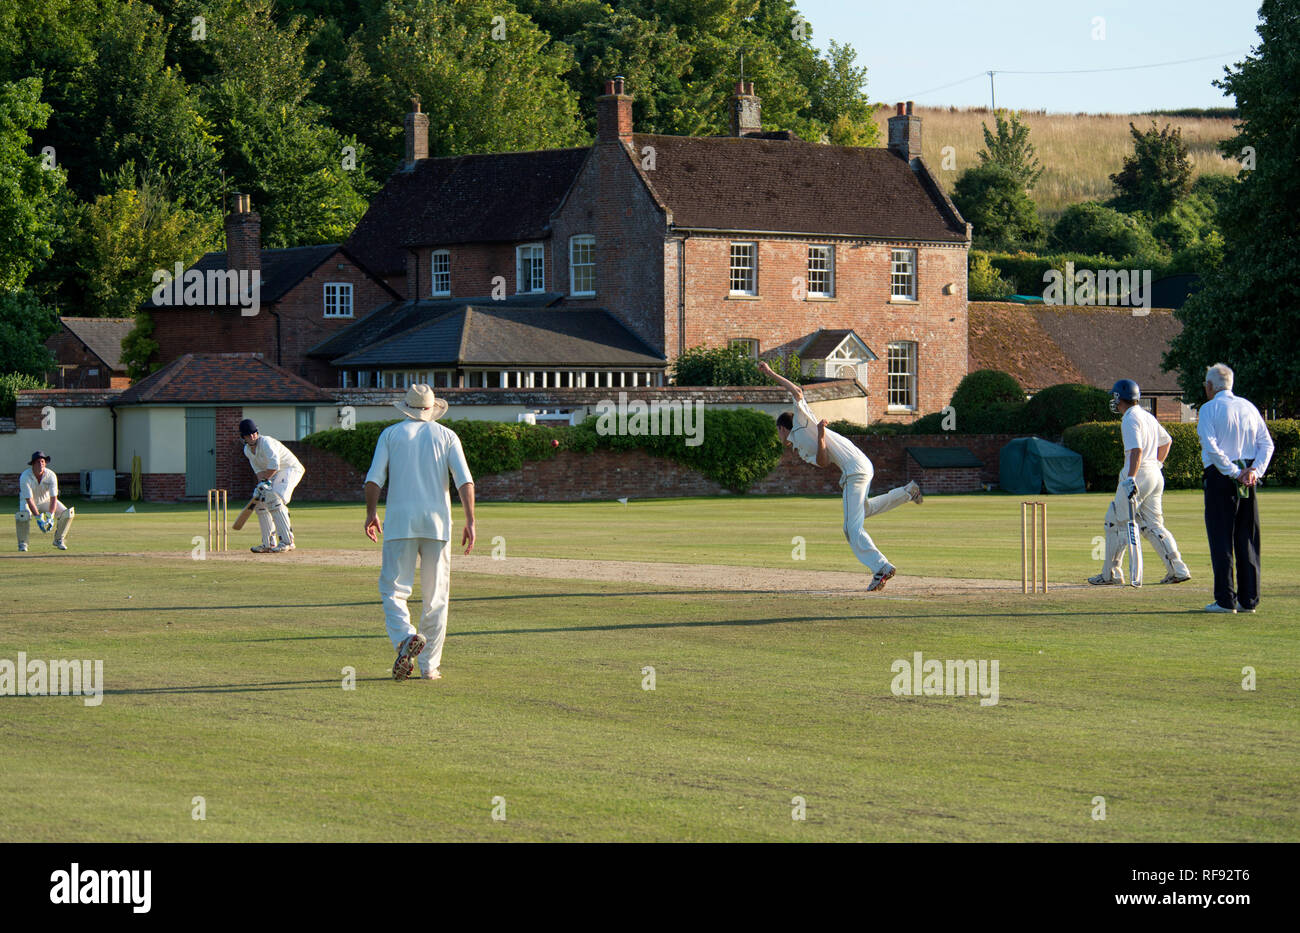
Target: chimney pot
(746, 110)
(618, 84)
(740, 87)
(417, 135)
(905, 134)
(909, 108)
(609, 85)
(900, 108)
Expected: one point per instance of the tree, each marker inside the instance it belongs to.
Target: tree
(1156, 175)
(25, 325)
(29, 188)
(1098, 230)
(993, 199)
(1245, 315)
(1010, 147)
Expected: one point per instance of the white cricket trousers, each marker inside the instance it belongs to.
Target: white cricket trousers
(396, 577)
(1150, 481)
(858, 508)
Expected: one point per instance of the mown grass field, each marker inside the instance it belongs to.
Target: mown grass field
(223, 680)
(1078, 152)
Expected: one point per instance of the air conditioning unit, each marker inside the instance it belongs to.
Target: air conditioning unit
(98, 484)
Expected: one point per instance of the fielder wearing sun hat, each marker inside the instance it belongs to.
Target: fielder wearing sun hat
(38, 455)
(421, 404)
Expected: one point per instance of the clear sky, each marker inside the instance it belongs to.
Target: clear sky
(925, 50)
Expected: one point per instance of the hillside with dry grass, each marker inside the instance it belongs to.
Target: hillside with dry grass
(1078, 152)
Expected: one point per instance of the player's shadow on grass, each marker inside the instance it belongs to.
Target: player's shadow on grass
(264, 687)
(210, 608)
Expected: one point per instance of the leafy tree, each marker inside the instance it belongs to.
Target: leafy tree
(25, 325)
(138, 347)
(13, 383)
(993, 199)
(1245, 315)
(28, 189)
(1010, 147)
(1098, 230)
(1156, 175)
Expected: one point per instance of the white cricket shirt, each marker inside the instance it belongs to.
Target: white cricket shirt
(1231, 428)
(415, 458)
(841, 451)
(42, 493)
(1141, 431)
(270, 454)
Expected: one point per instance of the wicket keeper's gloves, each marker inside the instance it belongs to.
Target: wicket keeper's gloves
(43, 522)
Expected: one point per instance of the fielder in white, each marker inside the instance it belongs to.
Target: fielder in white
(415, 457)
(1146, 445)
(278, 473)
(808, 436)
(38, 497)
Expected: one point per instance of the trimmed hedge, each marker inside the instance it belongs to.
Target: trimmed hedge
(740, 447)
(1058, 407)
(1103, 454)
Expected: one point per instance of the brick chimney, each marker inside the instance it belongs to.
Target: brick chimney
(905, 133)
(417, 135)
(243, 235)
(614, 113)
(746, 110)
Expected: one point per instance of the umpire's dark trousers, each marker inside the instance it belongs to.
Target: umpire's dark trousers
(1232, 524)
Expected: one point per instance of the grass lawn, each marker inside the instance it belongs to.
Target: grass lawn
(223, 681)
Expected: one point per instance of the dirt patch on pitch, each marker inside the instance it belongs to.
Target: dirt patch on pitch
(681, 576)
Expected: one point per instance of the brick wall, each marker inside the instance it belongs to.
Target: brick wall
(473, 267)
(68, 350)
(947, 479)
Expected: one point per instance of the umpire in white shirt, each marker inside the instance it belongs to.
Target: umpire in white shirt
(1235, 451)
(415, 457)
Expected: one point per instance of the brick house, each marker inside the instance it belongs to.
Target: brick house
(88, 353)
(758, 239)
(307, 294)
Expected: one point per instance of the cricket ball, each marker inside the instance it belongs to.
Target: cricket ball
(555, 443)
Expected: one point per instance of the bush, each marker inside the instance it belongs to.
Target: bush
(740, 446)
(982, 389)
(879, 429)
(1093, 228)
(1026, 270)
(10, 385)
(983, 282)
(719, 366)
(1103, 454)
(1058, 407)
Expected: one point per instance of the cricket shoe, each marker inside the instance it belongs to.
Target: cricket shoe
(1102, 580)
(281, 548)
(60, 545)
(1215, 607)
(23, 546)
(914, 491)
(431, 675)
(407, 651)
(881, 577)
(263, 549)
(1172, 577)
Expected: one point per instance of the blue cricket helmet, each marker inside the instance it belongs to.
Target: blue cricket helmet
(1125, 389)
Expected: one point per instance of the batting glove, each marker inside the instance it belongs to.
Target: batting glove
(1129, 486)
(261, 489)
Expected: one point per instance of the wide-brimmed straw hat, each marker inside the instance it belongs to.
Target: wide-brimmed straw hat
(421, 404)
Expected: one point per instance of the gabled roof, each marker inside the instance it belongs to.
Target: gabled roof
(397, 316)
(495, 336)
(198, 379)
(745, 184)
(1043, 345)
(103, 335)
(282, 269)
(498, 197)
(824, 342)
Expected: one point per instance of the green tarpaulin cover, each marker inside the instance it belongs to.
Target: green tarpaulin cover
(1027, 465)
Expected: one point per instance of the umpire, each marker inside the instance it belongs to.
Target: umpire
(1235, 451)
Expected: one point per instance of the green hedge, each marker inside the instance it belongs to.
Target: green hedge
(10, 385)
(1058, 407)
(739, 447)
(1103, 454)
(1026, 270)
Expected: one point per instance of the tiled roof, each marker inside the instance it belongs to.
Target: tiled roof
(825, 342)
(1045, 345)
(730, 183)
(497, 336)
(498, 197)
(282, 269)
(397, 316)
(103, 335)
(220, 378)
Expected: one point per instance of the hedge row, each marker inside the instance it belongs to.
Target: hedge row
(740, 447)
(1103, 454)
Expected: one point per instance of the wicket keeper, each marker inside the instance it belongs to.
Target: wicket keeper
(38, 496)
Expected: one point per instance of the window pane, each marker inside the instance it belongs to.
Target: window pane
(441, 277)
(743, 268)
(821, 271)
(582, 264)
(902, 276)
(902, 374)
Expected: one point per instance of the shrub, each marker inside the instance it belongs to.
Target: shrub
(1102, 450)
(1093, 228)
(719, 366)
(10, 385)
(878, 429)
(1058, 407)
(983, 388)
(983, 282)
(1026, 270)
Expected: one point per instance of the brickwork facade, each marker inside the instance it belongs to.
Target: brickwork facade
(78, 366)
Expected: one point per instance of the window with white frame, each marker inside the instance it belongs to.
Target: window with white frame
(338, 299)
(744, 269)
(821, 272)
(582, 265)
(748, 345)
(902, 275)
(304, 422)
(530, 268)
(440, 272)
(902, 375)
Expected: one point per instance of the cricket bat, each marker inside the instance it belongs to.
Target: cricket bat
(244, 515)
(1134, 546)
